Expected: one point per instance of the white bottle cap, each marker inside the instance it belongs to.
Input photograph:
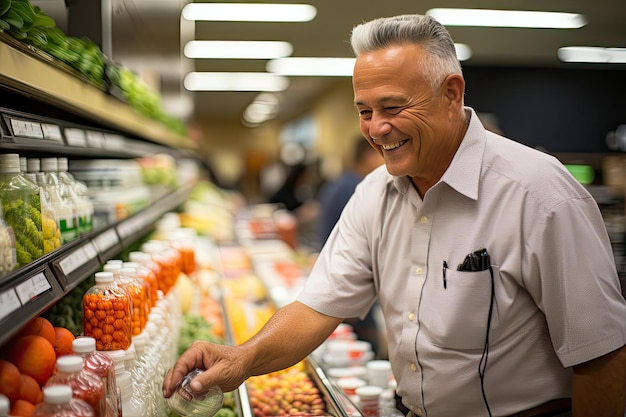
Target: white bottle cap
(10, 163)
(84, 344)
(104, 277)
(57, 394)
(133, 265)
(22, 164)
(139, 256)
(4, 405)
(118, 357)
(49, 165)
(33, 165)
(63, 163)
(113, 268)
(70, 364)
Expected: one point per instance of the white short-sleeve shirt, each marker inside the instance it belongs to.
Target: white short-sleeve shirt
(557, 303)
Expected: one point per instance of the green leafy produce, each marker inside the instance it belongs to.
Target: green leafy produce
(194, 328)
(4, 6)
(68, 311)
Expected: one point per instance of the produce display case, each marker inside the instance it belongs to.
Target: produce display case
(248, 304)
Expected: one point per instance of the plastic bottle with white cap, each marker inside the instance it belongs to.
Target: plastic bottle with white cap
(85, 385)
(102, 365)
(58, 401)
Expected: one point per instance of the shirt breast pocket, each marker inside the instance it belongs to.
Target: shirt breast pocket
(455, 317)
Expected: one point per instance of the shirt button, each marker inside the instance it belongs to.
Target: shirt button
(413, 367)
(418, 271)
(412, 316)
(423, 219)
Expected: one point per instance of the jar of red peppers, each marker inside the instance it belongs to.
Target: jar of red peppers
(107, 314)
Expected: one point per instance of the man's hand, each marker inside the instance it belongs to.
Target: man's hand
(599, 386)
(225, 367)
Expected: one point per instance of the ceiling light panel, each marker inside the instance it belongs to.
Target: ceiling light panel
(590, 54)
(238, 49)
(507, 18)
(235, 81)
(297, 66)
(249, 12)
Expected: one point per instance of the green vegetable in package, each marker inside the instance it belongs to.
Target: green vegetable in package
(25, 220)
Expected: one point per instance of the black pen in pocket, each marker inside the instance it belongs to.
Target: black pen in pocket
(445, 283)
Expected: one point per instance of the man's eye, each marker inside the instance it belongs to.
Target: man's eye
(365, 113)
(393, 110)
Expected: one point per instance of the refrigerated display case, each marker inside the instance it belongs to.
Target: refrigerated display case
(46, 110)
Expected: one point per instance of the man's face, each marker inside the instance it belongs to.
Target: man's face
(406, 121)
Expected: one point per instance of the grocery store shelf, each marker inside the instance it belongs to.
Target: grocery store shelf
(25, 70)
(32, 289)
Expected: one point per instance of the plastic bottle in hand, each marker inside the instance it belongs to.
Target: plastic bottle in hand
(188, 403)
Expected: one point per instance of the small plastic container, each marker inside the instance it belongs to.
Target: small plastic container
(187, 403)
(59, 402)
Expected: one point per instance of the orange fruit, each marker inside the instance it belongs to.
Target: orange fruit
(22, 408)
(63, 341)
(39, 326)
(30, 390)
(34, 356)
(9, 380)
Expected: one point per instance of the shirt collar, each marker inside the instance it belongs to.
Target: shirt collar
(463, 174)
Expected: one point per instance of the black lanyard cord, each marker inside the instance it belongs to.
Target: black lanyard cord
(482, 365)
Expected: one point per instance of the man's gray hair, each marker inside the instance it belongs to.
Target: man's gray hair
(416, 29)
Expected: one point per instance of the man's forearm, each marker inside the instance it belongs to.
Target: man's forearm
(599, 386)
(287, 338)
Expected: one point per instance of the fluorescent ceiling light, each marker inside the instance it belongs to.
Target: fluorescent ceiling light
(264, 107)
(507, 18)
(238, 49)
(235, 81)
(592, 54)
(249, 12)
(463, 52)
(331, 67)
(337, 67)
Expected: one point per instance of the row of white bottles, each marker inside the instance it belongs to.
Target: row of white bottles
(144, 364)
(68, 198)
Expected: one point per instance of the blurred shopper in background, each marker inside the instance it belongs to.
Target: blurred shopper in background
(334, 195)
(491, 263)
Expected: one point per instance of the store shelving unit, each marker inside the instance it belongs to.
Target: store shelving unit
(112, 130)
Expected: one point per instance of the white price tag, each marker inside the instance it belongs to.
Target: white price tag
(8, 303)
(90, 250)
(32, 287)
(52, 132)
(75, 137)
(130, 226)
(106, 240)
(95, 139)
(114, 142)
(26, 129)
(73, 261)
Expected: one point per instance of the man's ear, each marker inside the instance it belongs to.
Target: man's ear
(454, 90)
